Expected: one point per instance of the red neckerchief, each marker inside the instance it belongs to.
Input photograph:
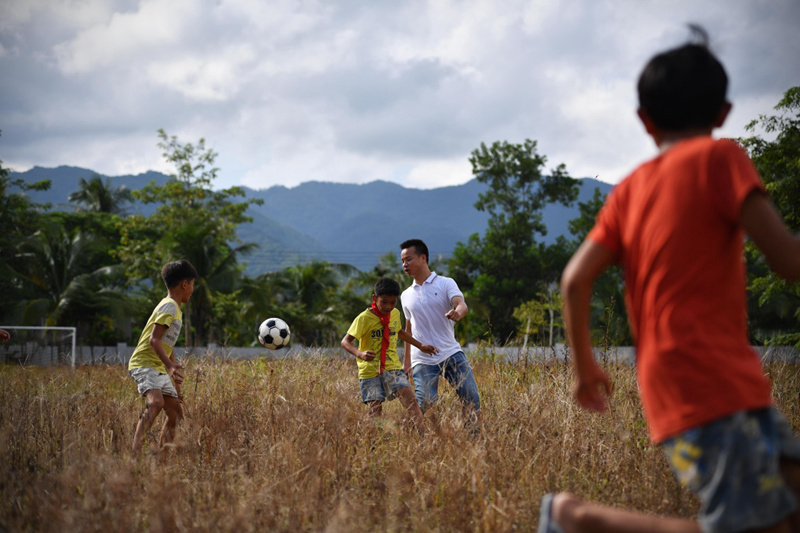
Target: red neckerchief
(385, 340)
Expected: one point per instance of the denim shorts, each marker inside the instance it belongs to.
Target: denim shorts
(733, 465)
(149, 378)
(383, 387)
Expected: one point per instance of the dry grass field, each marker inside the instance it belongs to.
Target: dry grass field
(285, 445)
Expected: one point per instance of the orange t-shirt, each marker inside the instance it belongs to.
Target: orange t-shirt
(673, 225)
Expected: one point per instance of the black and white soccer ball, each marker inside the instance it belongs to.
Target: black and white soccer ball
(274, 333)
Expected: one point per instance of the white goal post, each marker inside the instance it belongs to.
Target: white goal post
(28, 352)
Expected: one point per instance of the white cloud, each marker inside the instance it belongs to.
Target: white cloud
(441, 173)
(217, 77)
(293, 90)
(70, 13)
(152, 29)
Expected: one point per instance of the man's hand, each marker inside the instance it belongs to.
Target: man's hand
(453, 315)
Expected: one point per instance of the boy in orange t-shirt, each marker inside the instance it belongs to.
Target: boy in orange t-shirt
(676, 225)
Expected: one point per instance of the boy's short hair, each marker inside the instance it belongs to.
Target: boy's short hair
(684, 88)
(387, 287)
(419, 247)
(175, 272)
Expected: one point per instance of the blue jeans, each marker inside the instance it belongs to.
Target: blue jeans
(456, 371)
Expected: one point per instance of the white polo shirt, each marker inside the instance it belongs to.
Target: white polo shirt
(425, 306)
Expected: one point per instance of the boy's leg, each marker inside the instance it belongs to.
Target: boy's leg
(409, 402)
(790, 471)
(426, 385)
(154, 402)
(742, 450)
(574, 515)
(373, 395)
(458, 373)
(174, 412)
(375, 409)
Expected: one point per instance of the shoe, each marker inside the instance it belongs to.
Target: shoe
(546, 522)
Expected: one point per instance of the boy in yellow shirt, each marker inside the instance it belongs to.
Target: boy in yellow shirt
(152, 365)
(380, 370)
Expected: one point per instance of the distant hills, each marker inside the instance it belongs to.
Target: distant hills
(347, 223)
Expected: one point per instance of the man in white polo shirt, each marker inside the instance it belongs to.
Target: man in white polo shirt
(432, 305)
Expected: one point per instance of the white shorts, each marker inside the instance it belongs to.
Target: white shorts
(149, 378)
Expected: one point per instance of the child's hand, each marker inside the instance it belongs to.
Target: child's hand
(592, 389)
(368, 355)
(175, 373)
(428, 349)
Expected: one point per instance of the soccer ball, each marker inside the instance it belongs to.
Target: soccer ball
(274, 333)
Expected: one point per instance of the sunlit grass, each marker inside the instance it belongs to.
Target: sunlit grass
(285, 445)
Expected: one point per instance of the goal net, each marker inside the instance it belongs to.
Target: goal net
(41, 346)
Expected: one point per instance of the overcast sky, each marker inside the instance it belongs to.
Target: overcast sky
(288, 91)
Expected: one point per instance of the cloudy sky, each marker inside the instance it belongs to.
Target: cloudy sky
(288, 91)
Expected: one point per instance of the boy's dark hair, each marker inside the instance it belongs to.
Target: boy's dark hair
(684, 88)
(175, 272)
(387, 287)
(419, 247)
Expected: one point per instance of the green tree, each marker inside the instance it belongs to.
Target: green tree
(587, 214)
(388, 267)
(316, 318)
(219, 273)
(778, 162)
(610, 324)
(506, 266)
(356, 294)
(19, 216)
(63, 286)
(542, 316)
(98, 196)
(193, 222)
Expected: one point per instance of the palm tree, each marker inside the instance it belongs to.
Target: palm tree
(98, 196)
(388, 267)
(308, 295)
(218, 271)
(66, 281)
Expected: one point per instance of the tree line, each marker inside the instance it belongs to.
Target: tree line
(96, 266)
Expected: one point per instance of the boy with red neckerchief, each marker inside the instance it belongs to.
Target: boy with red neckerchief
(380, 371)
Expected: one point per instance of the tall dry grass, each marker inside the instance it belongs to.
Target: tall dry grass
(285, 445)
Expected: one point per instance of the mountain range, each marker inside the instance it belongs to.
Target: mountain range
(338, 222)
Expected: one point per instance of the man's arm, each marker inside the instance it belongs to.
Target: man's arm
(765, 226)
(592, 385)
(459, 309)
